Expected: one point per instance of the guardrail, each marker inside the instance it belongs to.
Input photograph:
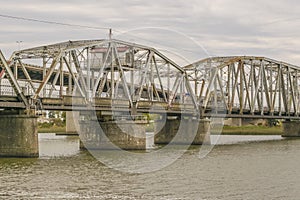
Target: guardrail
(7, 90)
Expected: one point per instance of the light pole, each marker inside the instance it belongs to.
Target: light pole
(19, 44)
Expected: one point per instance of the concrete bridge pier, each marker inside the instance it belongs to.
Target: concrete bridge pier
(184, 130)
(18, 135)
(72, 118)
(291, 129)
(98, 133)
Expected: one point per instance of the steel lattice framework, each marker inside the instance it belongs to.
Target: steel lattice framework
(245, 86)
(111, 73)
(97, 72)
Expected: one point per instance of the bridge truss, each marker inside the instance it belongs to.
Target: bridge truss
(113, 74)
(245, 86)
(98, 74)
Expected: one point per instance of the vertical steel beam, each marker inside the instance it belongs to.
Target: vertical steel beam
(132, 88)
(292, 91)
(191, 93)
(70, 84)
(61, 82)
(241, 93)
(280, 88)
(44, 72)
(182, 92)
(266, 87)
(256, 85)
(168, 80)
(283, 90)
(88, 79)
(235, 86)
(112, 76)
(228, 85)
(271, 88)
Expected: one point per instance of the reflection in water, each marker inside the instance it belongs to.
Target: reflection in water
(235, 169)
(51, 145)
(236, 139)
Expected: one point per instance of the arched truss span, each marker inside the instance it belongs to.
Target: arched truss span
(95, 70)
(97, 73)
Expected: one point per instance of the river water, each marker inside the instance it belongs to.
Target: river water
(238, 167)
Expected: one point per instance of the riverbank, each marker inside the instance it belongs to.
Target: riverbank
(53, 129)
(252, 130)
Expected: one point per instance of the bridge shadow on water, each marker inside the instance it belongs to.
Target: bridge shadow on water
(52, 145)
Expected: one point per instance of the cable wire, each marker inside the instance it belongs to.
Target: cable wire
(89, 27)
(52, 22)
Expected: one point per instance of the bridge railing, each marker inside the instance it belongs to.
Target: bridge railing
(7, 90)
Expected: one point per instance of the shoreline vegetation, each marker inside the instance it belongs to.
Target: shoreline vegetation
(53, 129)
(58, 125)
(227, 130)
(54, 126)
(252, 130)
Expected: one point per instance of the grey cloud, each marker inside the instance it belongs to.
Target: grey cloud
(221, 27)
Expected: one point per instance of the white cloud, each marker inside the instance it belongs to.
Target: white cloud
(223, 27)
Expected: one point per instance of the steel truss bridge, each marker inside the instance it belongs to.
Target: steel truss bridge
(113, 75)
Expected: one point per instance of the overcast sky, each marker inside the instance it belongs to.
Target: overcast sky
(193, 29)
